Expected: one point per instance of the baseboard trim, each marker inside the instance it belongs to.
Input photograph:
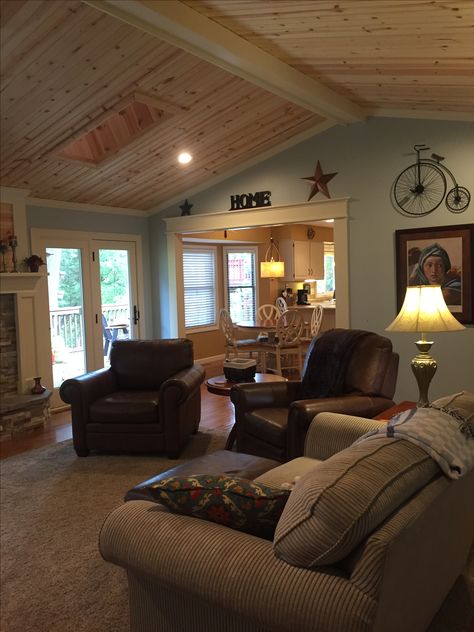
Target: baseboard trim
(211, 359)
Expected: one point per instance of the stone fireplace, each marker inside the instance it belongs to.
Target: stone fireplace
(19, 408)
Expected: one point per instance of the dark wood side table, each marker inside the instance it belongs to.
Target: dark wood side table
(219, 385)
(394, 410)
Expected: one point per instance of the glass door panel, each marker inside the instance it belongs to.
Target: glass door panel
(115, 283)
(66, 313)
(115, 297)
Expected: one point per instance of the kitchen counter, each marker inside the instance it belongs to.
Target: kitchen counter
(329, 313)
(312, 305)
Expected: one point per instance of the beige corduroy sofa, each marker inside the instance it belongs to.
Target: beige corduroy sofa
(191, 575)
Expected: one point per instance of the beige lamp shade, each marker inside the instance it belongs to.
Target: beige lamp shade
(424, 309)
(272, 269)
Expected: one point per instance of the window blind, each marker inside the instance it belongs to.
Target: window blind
(199, 272)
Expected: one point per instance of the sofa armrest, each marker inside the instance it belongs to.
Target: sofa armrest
(230, 570)
(264, 395)
(302, 412)
(330, 433)
(180, 386)
(82, 391)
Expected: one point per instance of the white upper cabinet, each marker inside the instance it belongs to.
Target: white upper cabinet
(303, 259)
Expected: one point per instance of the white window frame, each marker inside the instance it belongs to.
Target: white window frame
(214, 325)
(328, 250)
(242, 248)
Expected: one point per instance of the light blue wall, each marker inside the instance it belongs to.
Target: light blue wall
(66, 219)
(368, 157)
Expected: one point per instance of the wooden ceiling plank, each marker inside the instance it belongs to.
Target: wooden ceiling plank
(80, 111)
(181, 26)
(90, 183)
(131, 201)
(325, 38)
(21, 30)
(76, 71)
(87, 95)
(42, 45)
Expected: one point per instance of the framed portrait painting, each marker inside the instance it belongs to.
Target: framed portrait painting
(443, 256)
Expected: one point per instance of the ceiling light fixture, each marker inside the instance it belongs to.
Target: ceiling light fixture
(184, 158)
(272, 268)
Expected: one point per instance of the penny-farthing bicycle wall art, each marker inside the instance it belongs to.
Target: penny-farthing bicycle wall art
(422, 187)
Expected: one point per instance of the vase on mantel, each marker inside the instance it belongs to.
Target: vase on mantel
(38, 388)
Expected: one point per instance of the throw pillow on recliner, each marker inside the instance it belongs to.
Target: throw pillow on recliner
(335, 506)
(232, 501)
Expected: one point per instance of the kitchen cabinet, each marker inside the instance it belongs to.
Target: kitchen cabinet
(303, 259)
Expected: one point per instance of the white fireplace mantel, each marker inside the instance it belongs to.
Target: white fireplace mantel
(14, 282)
(23, 286)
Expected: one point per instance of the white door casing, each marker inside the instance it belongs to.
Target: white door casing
(336, 209)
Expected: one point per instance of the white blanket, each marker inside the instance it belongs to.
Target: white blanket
(448, 438)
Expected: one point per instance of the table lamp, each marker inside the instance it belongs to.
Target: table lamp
(424, 310)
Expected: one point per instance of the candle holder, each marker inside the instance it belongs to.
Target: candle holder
(3, 251)
(13, 243)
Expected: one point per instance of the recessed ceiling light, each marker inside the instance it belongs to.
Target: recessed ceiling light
(184, 158)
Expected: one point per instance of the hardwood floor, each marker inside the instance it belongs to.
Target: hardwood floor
(217, 413)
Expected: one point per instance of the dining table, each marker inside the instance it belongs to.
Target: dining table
(258, 324)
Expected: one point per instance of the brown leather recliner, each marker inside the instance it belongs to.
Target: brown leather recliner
(149, 400)
(346, 371)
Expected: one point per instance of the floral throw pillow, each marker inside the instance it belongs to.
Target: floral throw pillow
(235, 502)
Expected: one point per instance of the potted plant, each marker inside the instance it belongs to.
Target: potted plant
(34, 262)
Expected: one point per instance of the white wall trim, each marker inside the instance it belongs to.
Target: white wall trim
(261, 216)
(337, 209)
(79, 206)
(436, 115)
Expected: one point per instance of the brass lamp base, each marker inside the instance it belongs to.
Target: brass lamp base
(424, 367)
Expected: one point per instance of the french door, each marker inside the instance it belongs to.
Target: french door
(91, 298)
(116, 309)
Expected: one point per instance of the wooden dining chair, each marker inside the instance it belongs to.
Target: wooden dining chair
(314, 325)
(268, 312)
(286, 346)
(281, 304)
(233, 346)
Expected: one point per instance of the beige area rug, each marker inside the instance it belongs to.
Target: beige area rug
(53, 504)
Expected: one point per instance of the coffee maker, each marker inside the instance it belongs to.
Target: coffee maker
(302, 297)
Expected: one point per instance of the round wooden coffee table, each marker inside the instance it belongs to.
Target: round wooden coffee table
(219, 385)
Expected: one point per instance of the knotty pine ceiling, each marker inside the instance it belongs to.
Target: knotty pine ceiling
(66, 65)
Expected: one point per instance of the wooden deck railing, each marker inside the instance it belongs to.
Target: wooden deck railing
(67, 323)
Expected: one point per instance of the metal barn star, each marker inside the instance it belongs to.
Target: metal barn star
(186, 208)
(320, 180)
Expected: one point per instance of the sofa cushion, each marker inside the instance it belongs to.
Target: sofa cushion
(232, 501)
(335, 506)
(461, 404)
(285, 475)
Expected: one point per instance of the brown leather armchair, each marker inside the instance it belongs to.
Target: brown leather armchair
(345, 371)
(149, 400)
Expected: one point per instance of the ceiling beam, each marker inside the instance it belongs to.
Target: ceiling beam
(181, 26)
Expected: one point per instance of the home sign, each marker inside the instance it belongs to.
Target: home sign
(250, 200)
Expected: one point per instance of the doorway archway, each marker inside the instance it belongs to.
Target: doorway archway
(337, 209)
